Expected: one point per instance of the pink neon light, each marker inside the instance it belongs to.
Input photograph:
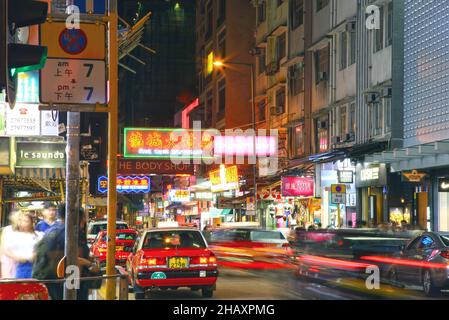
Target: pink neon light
(243, 146)
(186, 111)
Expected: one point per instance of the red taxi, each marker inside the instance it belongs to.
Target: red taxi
(172, 258)
(124, 243)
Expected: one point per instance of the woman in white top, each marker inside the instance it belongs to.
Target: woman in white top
(21, 248)
(8, 265)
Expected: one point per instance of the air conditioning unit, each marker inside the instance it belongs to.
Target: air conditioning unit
(336, 140)
(292, 73)
(372, 97)
(322, 124)
(322, 76)
(387, 92)
(351, 26)
(350, 137)
(276, 111)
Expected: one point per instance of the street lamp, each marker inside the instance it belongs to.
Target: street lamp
(221, 64)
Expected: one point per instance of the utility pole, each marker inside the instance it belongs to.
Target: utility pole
(72, 197)
(112, 147)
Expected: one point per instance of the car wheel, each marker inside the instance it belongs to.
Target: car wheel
(207, 292)
(428, 286)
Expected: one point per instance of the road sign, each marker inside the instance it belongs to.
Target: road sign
(338, 198)
(88, 42)
(70, 81)
(91, 6)
(338, 188)
(73, 41)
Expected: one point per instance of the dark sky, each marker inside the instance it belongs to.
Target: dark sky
(152, 96)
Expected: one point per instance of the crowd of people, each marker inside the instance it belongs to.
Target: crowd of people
(30, 249)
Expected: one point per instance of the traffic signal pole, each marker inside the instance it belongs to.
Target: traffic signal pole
(112, 147)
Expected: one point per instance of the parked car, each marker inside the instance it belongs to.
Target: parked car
(424, 262)
(124, 244)
(172, 258)
(102, 225)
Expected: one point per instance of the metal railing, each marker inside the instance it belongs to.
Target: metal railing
(122, 275)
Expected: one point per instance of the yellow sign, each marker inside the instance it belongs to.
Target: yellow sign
(414, 176)
(224, 179)
(338, 188)
(88, 42)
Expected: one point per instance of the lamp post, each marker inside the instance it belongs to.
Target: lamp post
(221, 64)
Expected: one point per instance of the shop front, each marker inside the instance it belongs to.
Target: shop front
(337, 173)
(372, 199)
(295, 205)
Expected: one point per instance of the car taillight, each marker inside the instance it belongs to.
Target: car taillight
(204, 261)
(212, 260)
(152, 262)
(445, 254)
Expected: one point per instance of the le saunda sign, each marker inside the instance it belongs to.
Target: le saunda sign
(41, 155)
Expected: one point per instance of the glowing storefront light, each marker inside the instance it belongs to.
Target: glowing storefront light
(224, 179)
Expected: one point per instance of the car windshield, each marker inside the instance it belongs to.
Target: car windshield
(174, 239)
(445, 240)
(97, 228)
(266, 235)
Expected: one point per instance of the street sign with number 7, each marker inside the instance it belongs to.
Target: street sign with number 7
(73, 81)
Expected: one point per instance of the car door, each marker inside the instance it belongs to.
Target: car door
(405, 272)
(426, 247)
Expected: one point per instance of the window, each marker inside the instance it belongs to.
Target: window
(209, 23)
(320, 4)
(352, 48)
(322, 135)
(387, 113)
(299, 140)
(343, 126)
(261, 12)
(297, 12)
(343, 50)
(221, 98)
(261, 106)
(389, 40)
(221, 12)
(352, 118)
(280, 98)
(209, 64)
(375, 118)
(262, 60)
(379, 34)
(297, 79)
(173, 239)
(281, 46)
(426, 242)
(221, 43)
(321, 65)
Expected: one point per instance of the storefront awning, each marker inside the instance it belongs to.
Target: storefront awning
(429, 155)
(41, 173)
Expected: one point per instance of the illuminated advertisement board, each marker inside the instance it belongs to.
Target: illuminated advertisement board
(244, 145)
(297, 186)
(167, 144)
(176, 195)
(126, 184)
(224, 179)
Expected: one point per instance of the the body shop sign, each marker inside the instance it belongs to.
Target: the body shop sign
(297, 186)
(41, 155)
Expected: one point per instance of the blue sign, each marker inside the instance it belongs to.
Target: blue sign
(135, 184)
(73, 41)
(91, 6)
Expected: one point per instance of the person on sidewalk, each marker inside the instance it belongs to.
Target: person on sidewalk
(50, 251)
(8, 264)
(49, 214)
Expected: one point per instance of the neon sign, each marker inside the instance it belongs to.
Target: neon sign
(224, 179)
(126, 184)
(179, 195)
(167, 144)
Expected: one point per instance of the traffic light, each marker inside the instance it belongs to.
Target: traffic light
(15, 55)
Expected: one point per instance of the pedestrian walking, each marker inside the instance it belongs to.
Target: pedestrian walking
(20, 245)
(50, 251)
(49, 215)
(8, 264)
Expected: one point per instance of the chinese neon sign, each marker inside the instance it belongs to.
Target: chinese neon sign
(224, 179)
(179, 195)
(126, 184)
(167, 144)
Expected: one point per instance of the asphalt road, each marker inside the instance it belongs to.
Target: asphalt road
(271, 285)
